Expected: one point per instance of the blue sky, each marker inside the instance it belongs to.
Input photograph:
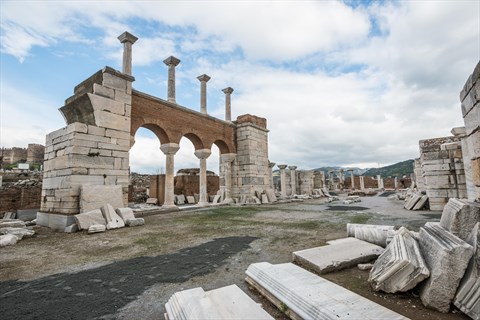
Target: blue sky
(340, 83)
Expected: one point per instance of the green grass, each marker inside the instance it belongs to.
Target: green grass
(360, 218)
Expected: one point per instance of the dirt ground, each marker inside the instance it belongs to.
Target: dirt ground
(130, 273)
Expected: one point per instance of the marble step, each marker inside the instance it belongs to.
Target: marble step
(400, 267)
(339, 254)
(303, 295)
(228, 302)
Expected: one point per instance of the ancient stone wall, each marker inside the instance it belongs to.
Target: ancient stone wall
(35, 153)
(16, 198)
(13, 155)
(305, 181)
(250, 170)
(470, 99)
(188, 185)
(418, 173)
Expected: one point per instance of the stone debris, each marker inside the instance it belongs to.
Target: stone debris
(20, 233)
(223, 303)
(447, 257)
(191, 200)
(8, 240)
(135, 222)
(264, 198)
(9, 215)
(342, 253)
(96, 228)
(411, 201)
(352, 199)
(400, 267)
(376, 234)
(460, 216)
(153, 201)
(87, 219)
(216, 199)
(12, 223)
(421, 204)
(125, 213)
(303, 295)
(180, 199)
(365, 266)
(111, 217)
(71, 228)
(93, 196)
(467, 297)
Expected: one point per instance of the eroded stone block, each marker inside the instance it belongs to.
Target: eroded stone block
(87, 219)
(95, 196)
(111, 217)
(125, 213)
(460, 216)
(376, 234)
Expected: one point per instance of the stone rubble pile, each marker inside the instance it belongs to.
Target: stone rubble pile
(13, 230)
(416, 201)
(352, 199)
(105, 218)
(27, 183)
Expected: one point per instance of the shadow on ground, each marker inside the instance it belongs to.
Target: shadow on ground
(102, 291)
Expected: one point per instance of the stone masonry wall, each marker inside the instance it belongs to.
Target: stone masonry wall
(250, 171)
(93, 148)
(470, 99)
(305, 181)
(15, 198)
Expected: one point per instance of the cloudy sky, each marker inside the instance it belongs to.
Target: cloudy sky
(352, 83)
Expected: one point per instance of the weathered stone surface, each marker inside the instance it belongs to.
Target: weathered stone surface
(96, 228)
(135, 222)
(304, 295)
(71, 228)
(447, 257)
(152, 201)
(216, 199)
(180, 199)
(460, 216)
(400, 267)
(264, 198)
(190, 200)
(271, 195)
(8, 240)
(365, 266)
(125, 213)
(95, 196)
(87, 219)
(337, 256)
(376, 234)
(112, 218)
(467, 297)
(13, 223)
(421, 203)
(224, 303)
(410, 203)
(20, 233)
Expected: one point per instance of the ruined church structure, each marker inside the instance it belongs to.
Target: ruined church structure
(102, 118)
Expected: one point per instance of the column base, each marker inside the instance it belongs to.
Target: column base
(203, 204)
(169, 206)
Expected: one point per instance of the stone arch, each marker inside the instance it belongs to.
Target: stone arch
(222, 146)
(195, 140)
(161, 134)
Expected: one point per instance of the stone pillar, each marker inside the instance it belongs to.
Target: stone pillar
(341, 177)
(228, 106)
(270, 166)
(171, 62)
(379, 181)
(169, 149)
(283, 182)
(395, 181)
(330, 180)
(127, 39)
(203, 92)
(293, 180)
(362, 183)
(203, 154)
(227, 159)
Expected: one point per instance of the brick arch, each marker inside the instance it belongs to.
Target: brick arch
(171, 122)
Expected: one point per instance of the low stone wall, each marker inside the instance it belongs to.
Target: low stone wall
(16, 198)
(188, 185)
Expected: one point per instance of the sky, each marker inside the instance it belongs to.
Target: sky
(341, 83)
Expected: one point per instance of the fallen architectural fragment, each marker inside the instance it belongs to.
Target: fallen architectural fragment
(342, 253)
(111, 217)
(96, 228)
(460, 216)
(8, 240)
(376, 234)
(467, 298)
(87, 219)
(94, 196)
(135, 222)
(400, 267)
(302, 295)
(447, 257)
(224, 303)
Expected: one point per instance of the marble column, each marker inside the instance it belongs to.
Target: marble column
(169, 149)
(203, 92)
(353, 180)
(293, 179)
(228, 105)
(127, 39)
(171, 62)
(330, 180)
(341, 177)
(203, 154)
(395, 181)
(362, 183)
(322, 177)
(270, 166)
(226, 160)
(283, 182)
(379, 181)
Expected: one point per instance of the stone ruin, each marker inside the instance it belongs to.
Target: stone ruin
(102, 117)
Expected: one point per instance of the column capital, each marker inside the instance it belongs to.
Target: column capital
(227, 90)
(127, 37)
(203, 77)
(281, 166)
(292, 167)
(271, 164)
(169, 148)
(171, 61)
(228, 157)
(203, 153)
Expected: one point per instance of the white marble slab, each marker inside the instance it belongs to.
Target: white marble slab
(339, 255)
(224, 303)
(304, 295)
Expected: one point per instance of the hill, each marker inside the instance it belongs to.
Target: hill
(399, 169)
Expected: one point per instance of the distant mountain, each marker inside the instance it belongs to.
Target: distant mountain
(400, 169)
